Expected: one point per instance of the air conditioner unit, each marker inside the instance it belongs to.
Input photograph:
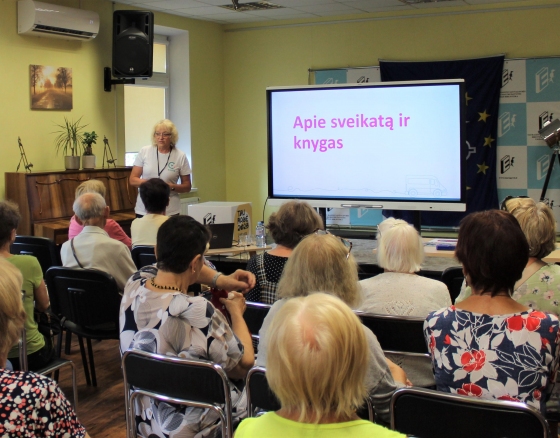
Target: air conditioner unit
(53, 21)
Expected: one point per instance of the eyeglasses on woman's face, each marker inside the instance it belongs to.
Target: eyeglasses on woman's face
(347, 244)
(503, 206)
(162, 134)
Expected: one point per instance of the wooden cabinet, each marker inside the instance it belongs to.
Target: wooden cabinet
(45, 198)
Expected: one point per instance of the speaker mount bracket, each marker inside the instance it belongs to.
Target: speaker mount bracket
(108, 81)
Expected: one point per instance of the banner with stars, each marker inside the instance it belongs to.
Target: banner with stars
(483, 79)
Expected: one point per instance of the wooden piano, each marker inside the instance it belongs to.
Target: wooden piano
(45, 199)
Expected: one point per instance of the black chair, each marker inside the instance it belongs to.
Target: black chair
(143, 256)
(196, 383)
(397, 334)
(259, 394)
(260, 397)
(88, 302)
(55, 365)
(254, 315)
(453, 278)
(423, 412)
(41, 247)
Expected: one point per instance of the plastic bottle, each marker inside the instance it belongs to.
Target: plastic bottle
(261, 235)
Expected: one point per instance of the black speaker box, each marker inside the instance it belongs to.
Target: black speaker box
(133, 44)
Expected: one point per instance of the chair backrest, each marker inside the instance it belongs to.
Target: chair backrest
(86, 297)
(261, 398)
(397, 334)
(453, 278)
(143, 256)
(196, 383)
(41, 247)
(254, 315)
(425, 413)
(259, 394)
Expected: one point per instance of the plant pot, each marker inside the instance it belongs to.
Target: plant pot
(72, 162)
(88, 161)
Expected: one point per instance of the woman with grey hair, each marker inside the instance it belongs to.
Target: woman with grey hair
(162, 160)
(400, 291)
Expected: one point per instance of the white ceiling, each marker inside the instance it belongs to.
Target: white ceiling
(209, 10)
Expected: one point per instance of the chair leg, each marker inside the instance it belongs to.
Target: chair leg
(68, 342)
(84, 360)
(91, 362)
(58, 351)
(74, 387)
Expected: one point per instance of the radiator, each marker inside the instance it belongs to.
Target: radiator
(185, 202)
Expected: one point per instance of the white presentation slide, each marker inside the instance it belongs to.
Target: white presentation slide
(381, 142)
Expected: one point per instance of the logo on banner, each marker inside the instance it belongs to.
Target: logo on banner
(544, 119)
(506, 122)
(543, 78)
(542, 166)
(507, 76)
(506, 163)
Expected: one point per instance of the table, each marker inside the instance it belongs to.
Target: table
(236, 250)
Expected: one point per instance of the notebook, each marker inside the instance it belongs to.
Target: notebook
(222, 235)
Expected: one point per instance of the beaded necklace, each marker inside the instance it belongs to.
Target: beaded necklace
(157, 286)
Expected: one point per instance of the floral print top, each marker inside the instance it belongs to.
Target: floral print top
(541, 291)
(506, 357)
(174, 324)
(33, 405)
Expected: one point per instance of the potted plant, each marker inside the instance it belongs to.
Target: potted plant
(88, 159)
(69, 141)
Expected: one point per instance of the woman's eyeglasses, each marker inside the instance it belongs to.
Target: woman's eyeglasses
(505, 201)
(347, 244)
(162, 134)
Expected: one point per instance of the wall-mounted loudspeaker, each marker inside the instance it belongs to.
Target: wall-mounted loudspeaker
(133, 44)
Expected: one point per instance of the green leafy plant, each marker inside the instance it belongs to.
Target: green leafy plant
(89, 138)
(70, 137)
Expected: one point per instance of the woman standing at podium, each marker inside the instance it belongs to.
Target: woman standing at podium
(162, 160)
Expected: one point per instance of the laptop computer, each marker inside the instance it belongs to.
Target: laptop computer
(222, 235)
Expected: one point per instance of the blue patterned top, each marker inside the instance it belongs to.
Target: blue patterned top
(506, 357)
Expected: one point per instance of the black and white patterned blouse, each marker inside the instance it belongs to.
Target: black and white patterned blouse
(173, 324)
(268, 270)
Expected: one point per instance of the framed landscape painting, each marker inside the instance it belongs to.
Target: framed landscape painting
(51, 87)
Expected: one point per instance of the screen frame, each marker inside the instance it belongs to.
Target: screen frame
(373, 203)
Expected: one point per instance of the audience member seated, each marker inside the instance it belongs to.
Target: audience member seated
(322, 263)
(155, 196)
(113, 229)
(489, 345)
(317, 364)
(93, 248)
(158, 316)
(293, 221)
(31, 405)
(399, 291)
(539, 286)
(40, 351)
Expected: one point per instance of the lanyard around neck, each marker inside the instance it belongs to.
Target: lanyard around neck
(166, 163)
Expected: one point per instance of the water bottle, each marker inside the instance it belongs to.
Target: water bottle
(260, 233)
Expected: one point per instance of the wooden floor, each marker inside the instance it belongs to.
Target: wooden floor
(101, 408)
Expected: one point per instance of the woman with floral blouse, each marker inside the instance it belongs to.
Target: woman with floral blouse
(489, 345)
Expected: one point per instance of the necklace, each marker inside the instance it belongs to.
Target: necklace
(157, 286)
(166, 163)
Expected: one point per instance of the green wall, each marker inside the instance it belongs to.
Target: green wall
(260, 56)
(102, 110)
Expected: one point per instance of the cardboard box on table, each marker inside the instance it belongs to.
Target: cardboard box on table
(240, 213)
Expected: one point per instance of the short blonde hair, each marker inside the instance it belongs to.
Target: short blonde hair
(317, 357)
(320, 263)
(538, 224)
(292, 222)
(12, 314)
(90, 186)
(399, 246)
(169, 126)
